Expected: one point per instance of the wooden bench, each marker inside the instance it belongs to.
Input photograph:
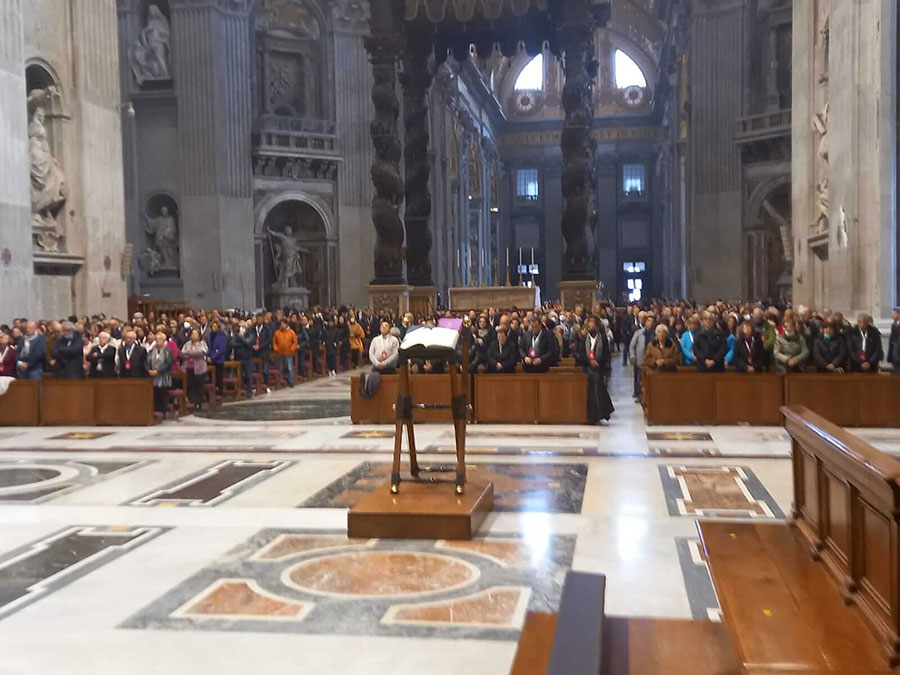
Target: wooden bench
(712, 398)
(582, 639)
(100, 402)
(847, 399)
(783, 611)
(847, 509)
(380, 408)
(20, 405)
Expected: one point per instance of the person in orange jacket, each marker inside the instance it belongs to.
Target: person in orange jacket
(284, 343)
(357, 335)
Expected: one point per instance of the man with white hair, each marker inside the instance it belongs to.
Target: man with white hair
(67, 354)
(132, 357)
(864, 346)
(102, 357)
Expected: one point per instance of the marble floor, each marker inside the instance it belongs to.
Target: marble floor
(219, 544)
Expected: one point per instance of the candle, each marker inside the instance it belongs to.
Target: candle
(458, 265)
(532, 255)
(482, 257)
(507, 257)
(520, 256)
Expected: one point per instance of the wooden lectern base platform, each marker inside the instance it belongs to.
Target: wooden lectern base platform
(423, 510)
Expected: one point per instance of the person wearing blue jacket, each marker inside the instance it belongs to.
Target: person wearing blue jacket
(32, 355)
(687, 343)
(216, 348)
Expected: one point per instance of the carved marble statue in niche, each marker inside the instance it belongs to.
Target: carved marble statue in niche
(286, 84)
(286, 253)
(162, 252)
(48, 182)
(820, 126)
(149, 55)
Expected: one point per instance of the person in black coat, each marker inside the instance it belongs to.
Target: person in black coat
(749, 354)
(502, 354)
(242, 343)
(830, 350)
(864, 348)
(331, 340)
(710, 347)
(893, 354)
(132, 357)
(67, 354)
(630, 325)
(316, 338)
(263, 347)
(536, 347)
(594, 356)
(102, 358)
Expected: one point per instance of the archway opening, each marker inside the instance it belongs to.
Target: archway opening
(306, 228)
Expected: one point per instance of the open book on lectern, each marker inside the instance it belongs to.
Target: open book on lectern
(427, 342)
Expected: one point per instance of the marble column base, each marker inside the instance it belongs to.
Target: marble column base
(389, 296)
(295, 297)
(580, 292)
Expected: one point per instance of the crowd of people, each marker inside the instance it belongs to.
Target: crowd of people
(655, 336)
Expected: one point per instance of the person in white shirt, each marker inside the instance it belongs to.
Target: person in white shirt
(384, 351)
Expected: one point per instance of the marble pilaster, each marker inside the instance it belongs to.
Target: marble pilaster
(211, 54)
(15, 199)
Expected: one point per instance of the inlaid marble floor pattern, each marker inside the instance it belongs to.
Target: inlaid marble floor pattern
(220, 545)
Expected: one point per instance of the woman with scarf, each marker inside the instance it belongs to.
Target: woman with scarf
(159, 363)
(193, 358)
(594, 356)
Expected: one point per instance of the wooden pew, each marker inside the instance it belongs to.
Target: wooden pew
(847, 399)
(67, 402)
(380, 408)
(531, 398)
(712, 398)
(847, 509)
(126, 402)
(20, 405)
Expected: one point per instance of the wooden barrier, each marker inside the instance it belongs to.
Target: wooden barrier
(847, 507)
(527, 398)
(380, 408)
(125, 402)
(847, 399)
(712, 398)
(101, 402)
(20, 405)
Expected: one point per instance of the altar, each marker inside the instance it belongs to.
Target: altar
(501, 297)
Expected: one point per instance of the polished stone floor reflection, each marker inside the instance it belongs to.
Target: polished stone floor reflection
(219, 545)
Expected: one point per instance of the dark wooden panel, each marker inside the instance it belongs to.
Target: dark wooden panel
(837, 521)
(562, 398)
(506, 398)
(127, 402)
(20, 405)
(834, 397)
(639, 646)
(879, 400)
(876, 553)
(535, 644)
(578, 644)
(431, 389)
(810, 497)
(680, 398)
(67, 402)
(754, 399)
(781, 608)
(379, 408)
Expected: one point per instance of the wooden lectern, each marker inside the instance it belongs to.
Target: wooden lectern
(459, 405)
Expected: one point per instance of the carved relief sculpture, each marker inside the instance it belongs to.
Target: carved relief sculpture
(820, 126)
(162, 252)
(48, 182)
(149, 55)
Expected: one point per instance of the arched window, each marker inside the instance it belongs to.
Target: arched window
(628, 74)
(532, 76)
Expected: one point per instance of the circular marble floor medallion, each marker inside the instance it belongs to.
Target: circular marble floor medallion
(380, 574)
(16, 478)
